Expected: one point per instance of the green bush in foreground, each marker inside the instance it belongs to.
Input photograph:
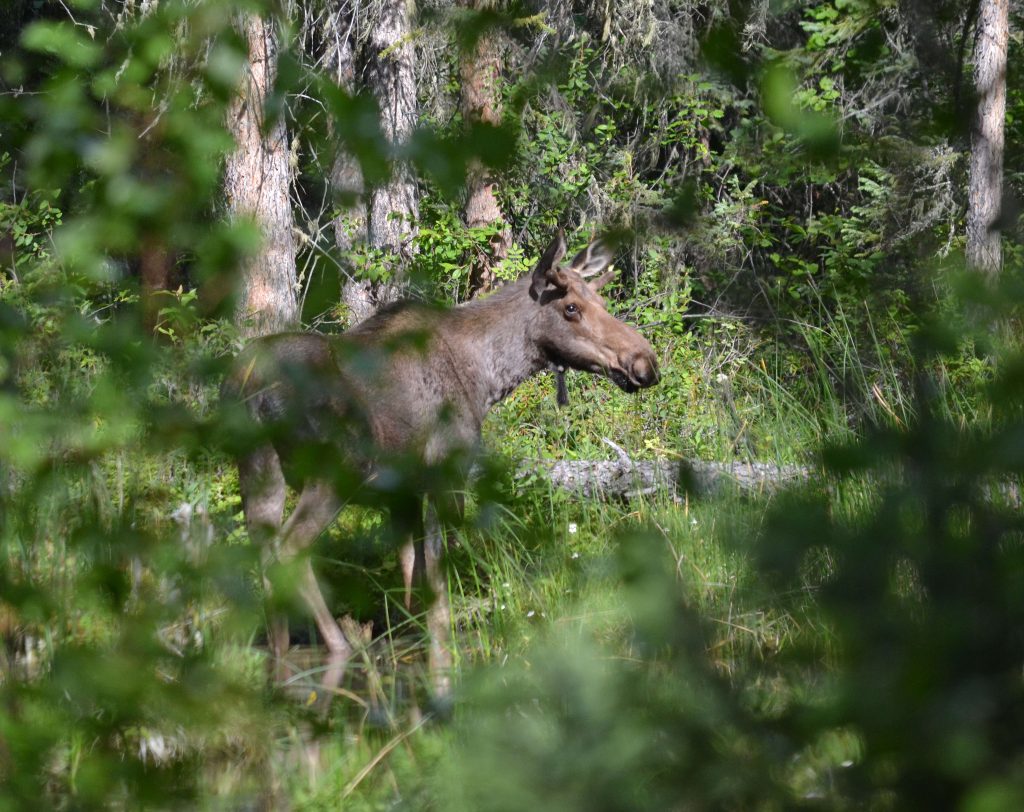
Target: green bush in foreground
(129, 674)
(910, 556)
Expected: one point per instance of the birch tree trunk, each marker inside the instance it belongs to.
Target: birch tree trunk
(984, 251)
(480, 70)
(394, 208)
(256, 182)
(346, 175)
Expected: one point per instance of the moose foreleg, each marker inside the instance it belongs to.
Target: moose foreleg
(439, 618)
(315, 510)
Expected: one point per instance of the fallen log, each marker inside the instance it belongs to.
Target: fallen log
(625, 478)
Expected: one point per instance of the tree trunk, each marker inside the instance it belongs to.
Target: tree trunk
(155, 260)
(984, 251)
(394, 209)
(480, 70)
(155, 265)
(256, 183)
(346, 175)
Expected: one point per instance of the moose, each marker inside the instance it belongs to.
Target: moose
(407, 391)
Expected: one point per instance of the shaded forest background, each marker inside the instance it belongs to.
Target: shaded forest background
(788, 190)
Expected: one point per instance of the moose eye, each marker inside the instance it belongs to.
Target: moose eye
(571, 311)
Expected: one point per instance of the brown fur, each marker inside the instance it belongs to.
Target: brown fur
(412, 383)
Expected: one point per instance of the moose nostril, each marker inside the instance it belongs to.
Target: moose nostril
(644, 370)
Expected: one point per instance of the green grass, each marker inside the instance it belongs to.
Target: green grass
(643, 617)
(542, 577)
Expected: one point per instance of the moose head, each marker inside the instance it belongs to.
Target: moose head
(575, 329)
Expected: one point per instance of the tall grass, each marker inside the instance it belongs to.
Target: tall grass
(661, 610)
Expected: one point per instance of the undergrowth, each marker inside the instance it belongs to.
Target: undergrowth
(621, 608)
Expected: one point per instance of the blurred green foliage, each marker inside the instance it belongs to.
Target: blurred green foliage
(908, 695)
(787, 204)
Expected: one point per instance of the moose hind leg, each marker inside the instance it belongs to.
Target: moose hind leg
(407, 559)
(315, 510)
(409, 525)
(263, 488)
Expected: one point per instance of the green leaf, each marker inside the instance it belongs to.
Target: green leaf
(68, 42)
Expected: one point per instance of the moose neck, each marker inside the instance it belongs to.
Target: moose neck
(494, 342)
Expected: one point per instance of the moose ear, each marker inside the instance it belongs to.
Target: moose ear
(592, 260)
(547, 271)
(602, 280)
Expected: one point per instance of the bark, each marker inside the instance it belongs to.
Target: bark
(394, 208)
(984, 251)
(256, 183)
(346, 174)
(480, 70)
(626, 479)
(155, 261)
(155, 265)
